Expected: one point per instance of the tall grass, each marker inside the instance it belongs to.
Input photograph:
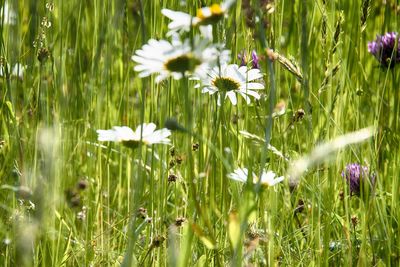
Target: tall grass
(69, 200)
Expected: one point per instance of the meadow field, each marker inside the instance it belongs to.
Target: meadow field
(199, 133)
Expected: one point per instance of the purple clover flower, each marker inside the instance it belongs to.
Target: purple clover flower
(355, 174)
(255, 60)
(385, 49)
(242, 57)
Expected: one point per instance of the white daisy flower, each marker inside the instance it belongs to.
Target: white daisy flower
(177, 58)
(131, 138)
(10, 17)
(17, 71)
(230, 80)
(267, 178)
(205, 16)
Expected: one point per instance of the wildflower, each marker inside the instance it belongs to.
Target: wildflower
(172, 178)
(195, 146)
(82, 184)
(43, 54)
(385, 49)
(354, 220)
(81, 215)
(132, 138)
(142, 212)
(243, 58)
(230, 80)
(300, 206)
(73, 198)
(8, 15)
(205, 16)
(17, 71)
(157, 241)
(267, 178)
(7, 241)
(355, 174)
(177, 58)
(179, 221)
(335, 245)
(255, 60)
(280, 108)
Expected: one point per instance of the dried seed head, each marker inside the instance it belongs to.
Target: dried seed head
(172, 163)
(82, 184)
(75, 201)
(142, 213)
(299, 115)
(157, 241)
(172, 178)
(300, 206)
(354, 220)
(172, 151)
(271, 54)
(179, 159)
(73, 198)
(195, 146)
(179, 221)
(43, 54)
(341, 195)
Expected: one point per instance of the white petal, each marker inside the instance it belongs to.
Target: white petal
(159, 137)
(206, 32)
(227, 4)
(239, 175)
(116, 134)
(245, 97)
(268, 178)
(232, 97)
(254, 86)
(106, 135)
(277, 180)
(145, 129)
(252, 93)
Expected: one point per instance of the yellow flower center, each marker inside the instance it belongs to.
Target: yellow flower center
(182, 63)
(210, 15)
(225, 84)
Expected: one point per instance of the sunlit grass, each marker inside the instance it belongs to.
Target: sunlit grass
(68, 199)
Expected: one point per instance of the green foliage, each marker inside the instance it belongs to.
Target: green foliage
(69, 200)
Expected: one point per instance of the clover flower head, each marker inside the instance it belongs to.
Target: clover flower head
(385, 49)
(243, 58)
(355, 174)
(255, 60)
